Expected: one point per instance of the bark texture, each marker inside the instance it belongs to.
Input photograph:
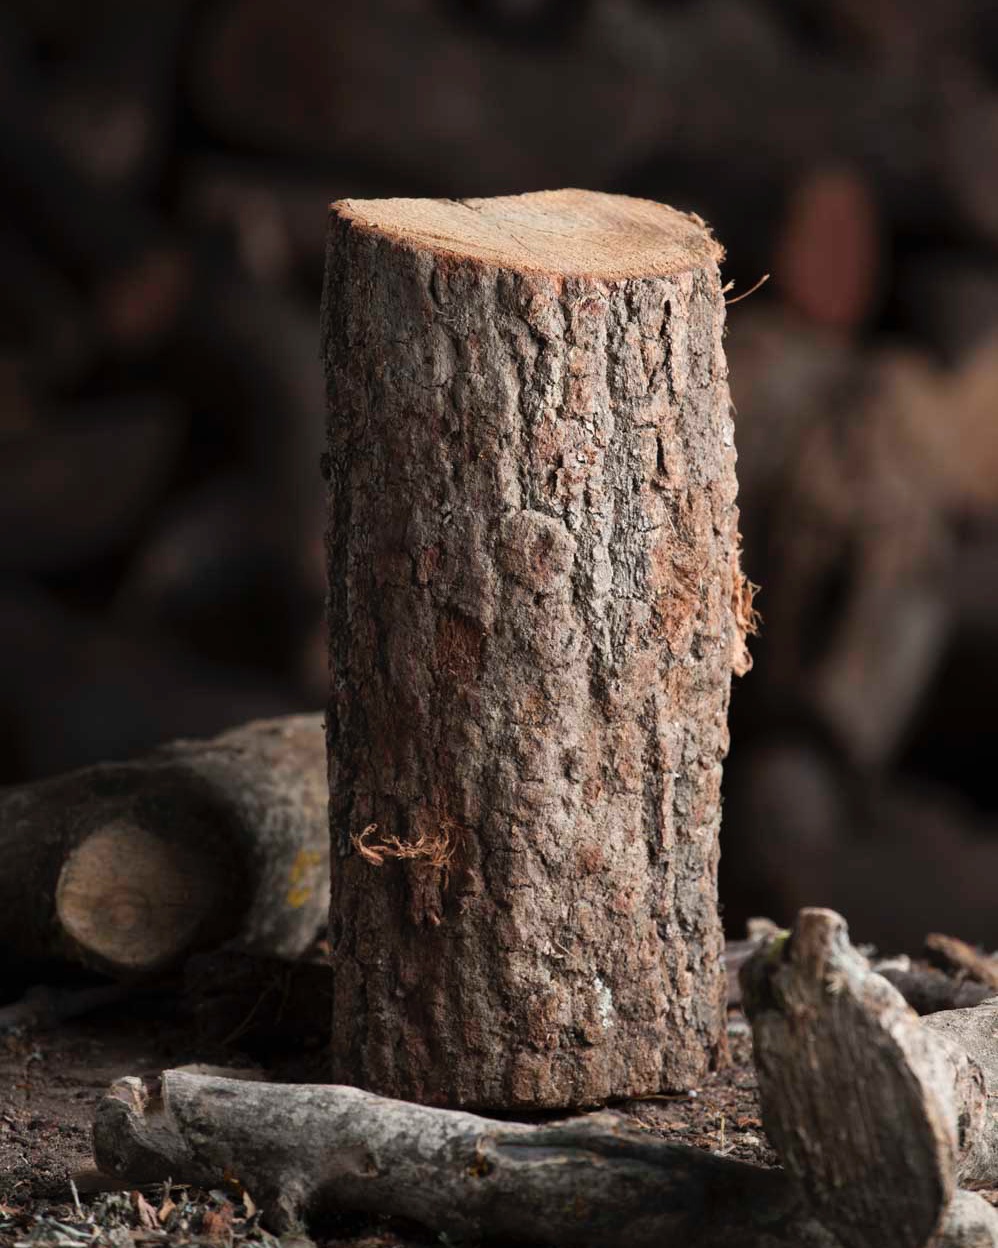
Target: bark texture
(596, 1182)
(127, 866)
(535, 607)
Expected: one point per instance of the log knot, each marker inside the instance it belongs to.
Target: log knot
(537, 550)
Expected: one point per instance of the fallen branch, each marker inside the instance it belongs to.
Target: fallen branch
(876, 1113)
(126, 866)
(306, 1150)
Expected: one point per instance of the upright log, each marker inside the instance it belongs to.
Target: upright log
(535, 607)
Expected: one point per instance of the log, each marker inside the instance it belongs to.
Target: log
(535, 609)
(862, 589)
(321, 83)
(787, 376)
(876, 1113)
(125, 867)
(928, 991)
(737, 953)
(44, 1007)
(108, 104)
(526, 23)
(304, 1151)
(858, 618)
(960, 468)
(217, 555)
(949, 298)
(119, 253)
(42, 311)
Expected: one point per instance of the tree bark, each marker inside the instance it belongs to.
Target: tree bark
(876, 1113)
(535, 608)
(596, 1182)
(126, 866)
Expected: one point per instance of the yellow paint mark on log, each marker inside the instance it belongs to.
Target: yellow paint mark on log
(300, 890)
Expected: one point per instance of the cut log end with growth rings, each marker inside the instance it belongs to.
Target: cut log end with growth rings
(127, 867)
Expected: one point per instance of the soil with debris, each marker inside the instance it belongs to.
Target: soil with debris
(50, 1083)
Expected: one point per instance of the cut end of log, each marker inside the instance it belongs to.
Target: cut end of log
(571, 233)
(856, 1096)
(121, 1139)
(132, 901)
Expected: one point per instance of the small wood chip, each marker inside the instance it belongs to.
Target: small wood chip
(216, 1225)
(145, 1213)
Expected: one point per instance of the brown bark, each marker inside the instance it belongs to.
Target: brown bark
(595, 1182)
(535, 608)
(876, 1113)
(127, 866)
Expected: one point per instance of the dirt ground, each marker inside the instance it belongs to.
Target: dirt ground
(50, 1083)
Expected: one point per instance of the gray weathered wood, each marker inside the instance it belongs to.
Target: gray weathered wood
(877, 1113)
(593, 1182)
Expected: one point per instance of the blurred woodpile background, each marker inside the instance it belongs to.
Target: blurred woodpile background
(165, 170)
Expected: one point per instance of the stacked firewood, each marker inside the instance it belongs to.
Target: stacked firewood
(870, 502)
(166, 169)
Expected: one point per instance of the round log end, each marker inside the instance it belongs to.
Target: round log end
(570, 233)
(133, 901)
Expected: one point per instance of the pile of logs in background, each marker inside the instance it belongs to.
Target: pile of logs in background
(166, 168)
